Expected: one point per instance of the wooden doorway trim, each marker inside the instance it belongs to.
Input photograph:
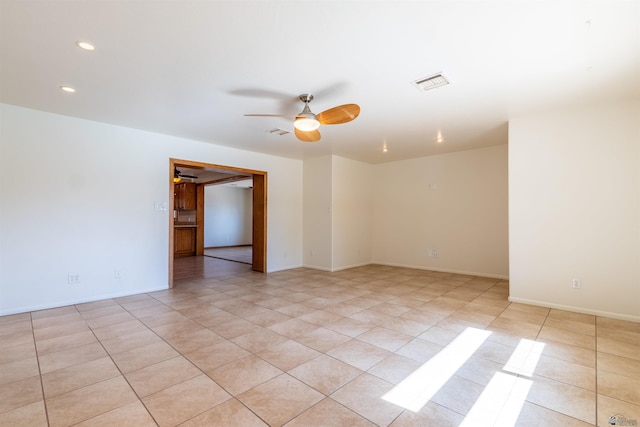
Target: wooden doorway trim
(259, 231)
(259, 235)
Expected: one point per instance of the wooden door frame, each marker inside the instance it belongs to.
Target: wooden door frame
(259, 208)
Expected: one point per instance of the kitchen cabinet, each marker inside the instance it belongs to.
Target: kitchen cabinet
(184, 241)
(184, 196)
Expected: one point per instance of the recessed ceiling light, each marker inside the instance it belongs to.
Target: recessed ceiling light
(67, 89)
(439, 138)
(85, 45)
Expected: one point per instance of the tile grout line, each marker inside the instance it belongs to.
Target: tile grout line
(596, 367)
(595, 372)
(169, 344)
(232, 395)
(294, 284)
(35, 347)
(119, 370)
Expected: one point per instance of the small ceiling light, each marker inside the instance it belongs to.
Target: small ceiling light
(85, 45)
(68, 89)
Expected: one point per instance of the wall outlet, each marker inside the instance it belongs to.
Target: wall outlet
(434, 253)
(73, 278)
(117, 274)
(575, 283)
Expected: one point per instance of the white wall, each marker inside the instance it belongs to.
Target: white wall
(317, 213)
(574, 189)
(337, 213)
(78, 197)
(352, 213)
(455, 203)
(395, 213)
(227, 216)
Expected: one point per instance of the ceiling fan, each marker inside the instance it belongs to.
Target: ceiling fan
(306, 123)
(177, 175)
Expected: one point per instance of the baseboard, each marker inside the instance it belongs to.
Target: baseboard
(443, 270)
(27, 309)
(618, 316)
(347, 267)
(333, 270)
(440, 270)
(291, 267)
(315, 267)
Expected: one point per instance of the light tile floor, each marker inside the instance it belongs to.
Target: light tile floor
(241, 254)
(303, 347)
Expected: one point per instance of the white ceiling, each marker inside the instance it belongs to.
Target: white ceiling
(194, 68)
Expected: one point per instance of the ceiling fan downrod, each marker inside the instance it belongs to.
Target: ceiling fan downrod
(306, 98)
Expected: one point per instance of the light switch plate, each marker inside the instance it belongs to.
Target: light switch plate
(160, 206)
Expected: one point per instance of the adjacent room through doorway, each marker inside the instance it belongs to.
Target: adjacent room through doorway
(228, 221)
(188, 233)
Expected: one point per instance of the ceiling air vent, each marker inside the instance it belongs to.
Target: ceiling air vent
(431, 82)
(278, 131)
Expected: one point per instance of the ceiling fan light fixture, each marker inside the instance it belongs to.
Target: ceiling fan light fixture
(306, 122)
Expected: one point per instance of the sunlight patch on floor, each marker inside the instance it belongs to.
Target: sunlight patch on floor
(500, 402)
(419, 387)
(525, 358)
(502, 399)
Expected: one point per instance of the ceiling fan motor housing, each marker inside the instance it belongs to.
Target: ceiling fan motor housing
(306, 121)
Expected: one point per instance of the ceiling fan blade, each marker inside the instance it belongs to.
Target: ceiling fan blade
(311, 136)
(340, 114)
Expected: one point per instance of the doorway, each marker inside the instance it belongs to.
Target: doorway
(259, 209)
